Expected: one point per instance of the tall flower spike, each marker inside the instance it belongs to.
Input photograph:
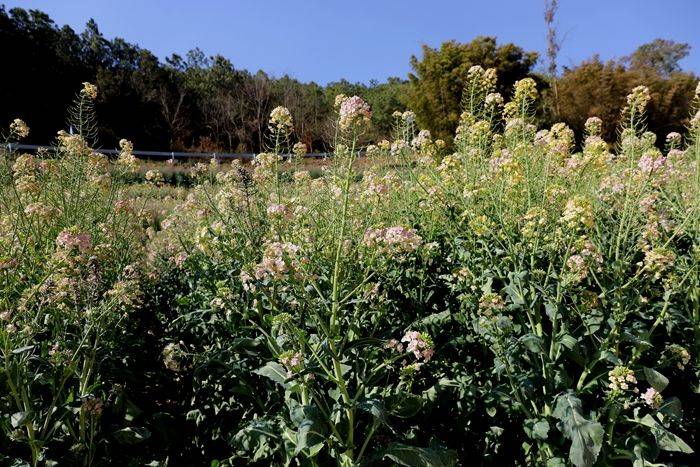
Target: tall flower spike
(355, 114)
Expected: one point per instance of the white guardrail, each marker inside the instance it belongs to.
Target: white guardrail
(166, 155)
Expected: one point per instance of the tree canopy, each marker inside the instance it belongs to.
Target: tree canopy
(437, 80)
(200, 102)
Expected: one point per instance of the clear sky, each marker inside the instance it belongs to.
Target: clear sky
(325, 40)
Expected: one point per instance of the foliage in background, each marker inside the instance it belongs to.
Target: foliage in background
(205, 103)
(439, 77)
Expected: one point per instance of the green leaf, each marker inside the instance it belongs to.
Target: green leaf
(672, 407)
(413, 456)
(655, 379)
(310, 435)
(639, 460)
(375, 407)
(532, 343)
(366, 341)
(132, 435)
(436, 319)
(610, 357)
(404, 404)
(275, 372)
(586, 435)
(20, 350)
(537, 429)
(256, 440)
(568, 341)
(666, 440)
(17, 419)
(551, 310)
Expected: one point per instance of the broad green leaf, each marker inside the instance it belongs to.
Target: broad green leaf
(275, 372)
(366, 341)
(532, 343)
(375, 407)
(610, 357)
(310, 435)
(551, 310)
(672, 407)
(655, 379)
(132, 435)
(404, 404)
(586, 435)
(537, 429)
(666, 440)
(568, 341)
(413, 456)
(257, 440)
(435, 319)
(639, 460)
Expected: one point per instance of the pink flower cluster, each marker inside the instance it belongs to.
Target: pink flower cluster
(649, 163)
(280, 260)
(393, 239)
(419, 344)
(280, 211)
(652, 398)
(291, 360)
(580, 261)
(69, 240)
(354, 113)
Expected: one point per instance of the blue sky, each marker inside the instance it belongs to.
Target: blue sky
(325, 40)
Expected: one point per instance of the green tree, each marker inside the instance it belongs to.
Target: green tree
(660, 55)
(385, 98)
(437, 80)
(596, 88)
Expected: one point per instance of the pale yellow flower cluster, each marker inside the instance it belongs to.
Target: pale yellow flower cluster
(41, 211)
(24, 171)
(658, 260)
(155, 178)
(126, 157)
(639, 98)
(89, 90)
(299, 149)
(19, 128)
(578, 213)
(281, 120)
(524, 95)
(71, 143)
(480, 80)
(621, 378)
(594, 126)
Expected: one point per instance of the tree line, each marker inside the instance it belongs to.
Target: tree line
(197, 102)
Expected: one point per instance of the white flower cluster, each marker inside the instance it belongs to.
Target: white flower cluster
(392, 240)
(621, 378)
(281, 120)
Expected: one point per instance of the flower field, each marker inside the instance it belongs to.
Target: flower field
(510, 298)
